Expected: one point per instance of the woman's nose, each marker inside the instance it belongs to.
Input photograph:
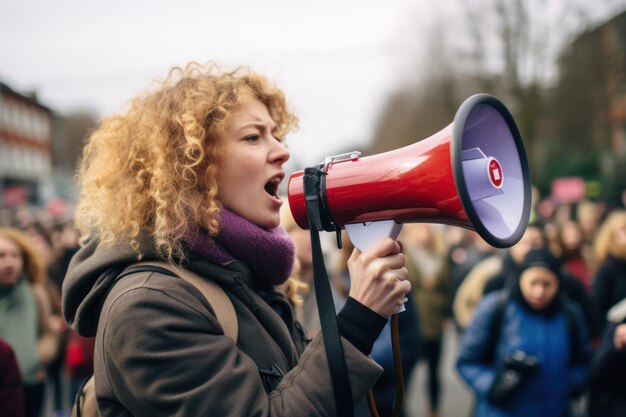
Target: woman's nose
(279, 153)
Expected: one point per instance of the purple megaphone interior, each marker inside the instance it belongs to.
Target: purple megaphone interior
(487, 130)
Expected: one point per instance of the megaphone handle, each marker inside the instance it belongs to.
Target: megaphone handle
(364, 235)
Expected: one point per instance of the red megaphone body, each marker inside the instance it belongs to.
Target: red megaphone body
(473, 173)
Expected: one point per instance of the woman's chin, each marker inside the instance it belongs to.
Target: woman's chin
(268, 223)
(6, 283)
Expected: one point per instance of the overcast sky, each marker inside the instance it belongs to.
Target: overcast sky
(336, 59)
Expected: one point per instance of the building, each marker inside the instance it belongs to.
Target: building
(592, 100)
(25, 148)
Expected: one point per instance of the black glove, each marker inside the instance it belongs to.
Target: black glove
(516, 367)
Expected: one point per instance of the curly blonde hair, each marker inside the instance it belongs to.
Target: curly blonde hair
(153, 168)
(34, 265)
(604, 244)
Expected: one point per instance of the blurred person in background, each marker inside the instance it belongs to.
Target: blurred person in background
(526, 350)
(514, 257)
(80, 364)
(409, 325)
(42, 239)
(466, 255)
(459, 243)
(78, 361)
(26, 320)
(492, 274)
(431, 281)
(66, 246)
(563, 212)
(573, 251)
(189, 174)
(607, 383)
(299, 287)
(44, 234)
(589, 215)
(609, 284)
(11, 391)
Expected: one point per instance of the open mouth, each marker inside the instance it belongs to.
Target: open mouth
(271, 187)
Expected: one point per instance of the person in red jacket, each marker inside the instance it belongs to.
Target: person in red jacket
(11, 394)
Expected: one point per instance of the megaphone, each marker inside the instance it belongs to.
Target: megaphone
(473, 174)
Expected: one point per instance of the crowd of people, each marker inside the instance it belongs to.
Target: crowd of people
(572, 330)
(542, 325)
(35, 251)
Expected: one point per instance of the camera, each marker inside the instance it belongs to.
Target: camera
(521, 362)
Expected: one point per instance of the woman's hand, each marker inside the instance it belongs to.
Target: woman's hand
(619, 338)
(379, 278)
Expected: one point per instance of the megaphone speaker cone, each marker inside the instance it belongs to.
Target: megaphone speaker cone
(491, 170)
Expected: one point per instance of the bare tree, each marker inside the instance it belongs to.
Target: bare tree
(509, 48)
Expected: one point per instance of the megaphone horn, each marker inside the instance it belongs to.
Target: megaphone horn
(473, 173)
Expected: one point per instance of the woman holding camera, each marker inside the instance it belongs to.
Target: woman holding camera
(189, 175)
(526, 351)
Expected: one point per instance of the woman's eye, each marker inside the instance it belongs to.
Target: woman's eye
(252, 138)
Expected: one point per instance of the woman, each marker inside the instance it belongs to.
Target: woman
(25, 314)
(190, 175)
(525, 353)
(432, 292)
(574, 252)
(609, 285)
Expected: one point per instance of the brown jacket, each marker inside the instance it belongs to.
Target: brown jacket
(161, 352)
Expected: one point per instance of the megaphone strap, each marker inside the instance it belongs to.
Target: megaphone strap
(326, 306)
(315, 197)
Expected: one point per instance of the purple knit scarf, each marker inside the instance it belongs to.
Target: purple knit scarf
(268, 253)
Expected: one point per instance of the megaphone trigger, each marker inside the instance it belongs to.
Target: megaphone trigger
(364, 235)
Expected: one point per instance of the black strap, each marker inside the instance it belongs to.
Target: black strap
(325, 304)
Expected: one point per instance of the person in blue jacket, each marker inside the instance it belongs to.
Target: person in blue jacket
(526, 350)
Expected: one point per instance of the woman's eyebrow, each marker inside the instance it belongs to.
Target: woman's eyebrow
(259, 125)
